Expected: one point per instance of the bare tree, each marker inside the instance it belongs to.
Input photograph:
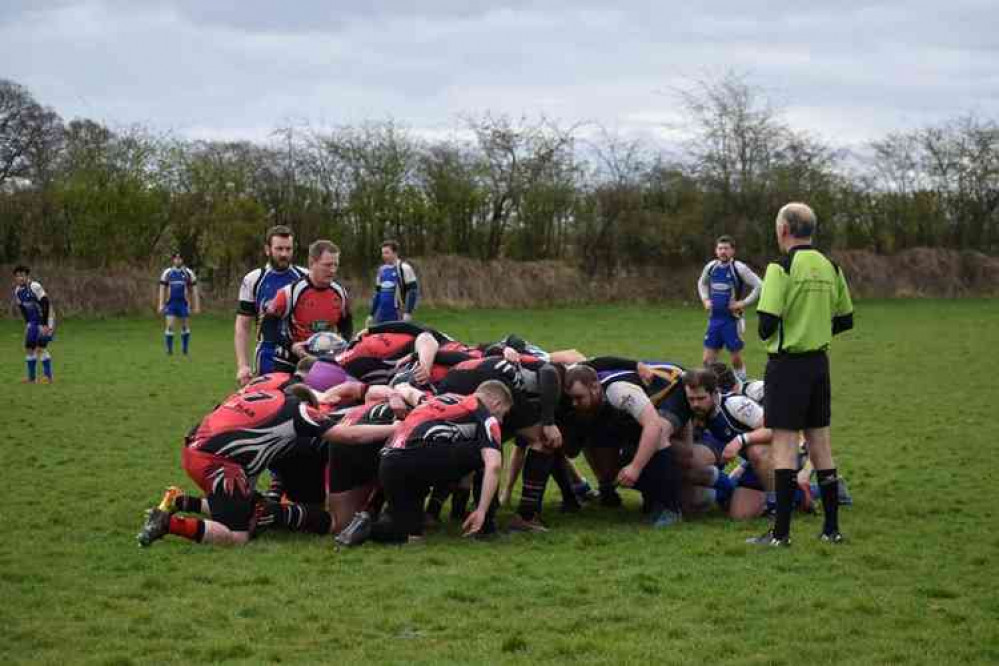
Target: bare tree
(26, 129)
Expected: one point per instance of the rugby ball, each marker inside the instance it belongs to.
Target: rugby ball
(324, 342)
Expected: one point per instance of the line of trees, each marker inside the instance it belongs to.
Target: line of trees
(84, 193)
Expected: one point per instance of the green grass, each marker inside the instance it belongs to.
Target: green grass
(914, 433)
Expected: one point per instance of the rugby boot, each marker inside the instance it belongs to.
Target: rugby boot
(157, 526)
(832, 537)
(768, 539)
(356, 532)
(520, 524)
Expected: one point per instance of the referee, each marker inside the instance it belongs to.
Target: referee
(804, 303)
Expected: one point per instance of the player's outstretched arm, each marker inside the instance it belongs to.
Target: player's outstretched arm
(493, 462)
(359, 434)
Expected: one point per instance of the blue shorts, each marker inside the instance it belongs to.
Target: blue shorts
(724, 332)
(180, 310)
(34, 338)
(750, 480)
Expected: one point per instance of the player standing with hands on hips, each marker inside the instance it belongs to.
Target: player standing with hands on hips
(720, 287)
(805, 302)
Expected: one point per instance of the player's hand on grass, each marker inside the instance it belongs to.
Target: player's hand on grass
(628, 476)
(473, 523)
(244, 375)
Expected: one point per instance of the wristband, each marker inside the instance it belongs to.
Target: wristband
(743, 440)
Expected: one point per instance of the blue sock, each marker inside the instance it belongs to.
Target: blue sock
(47, 365)
(32, 362)
(169, 342)
(185, 340)
(723, 488)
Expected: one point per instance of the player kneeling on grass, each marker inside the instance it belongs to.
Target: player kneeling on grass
(231, 447)
(441, 441)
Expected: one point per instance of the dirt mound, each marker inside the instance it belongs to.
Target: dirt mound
(920, 272)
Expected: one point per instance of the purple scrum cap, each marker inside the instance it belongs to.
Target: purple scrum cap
(324, 375)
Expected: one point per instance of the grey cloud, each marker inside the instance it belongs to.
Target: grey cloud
(848, 72)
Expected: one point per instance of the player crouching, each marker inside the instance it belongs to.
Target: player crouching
(226, 453)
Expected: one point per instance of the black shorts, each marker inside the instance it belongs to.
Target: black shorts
(797, 391)
(303, 475)
(353, 466)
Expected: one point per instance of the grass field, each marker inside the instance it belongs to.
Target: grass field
(914, 433)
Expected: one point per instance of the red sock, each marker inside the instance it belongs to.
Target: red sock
(189, 528)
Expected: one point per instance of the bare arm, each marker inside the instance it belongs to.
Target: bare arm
(648, 444)
(241, 339)
(359, 434)
(493, 462)
(161, 299)
(196, 298)
(426, 349)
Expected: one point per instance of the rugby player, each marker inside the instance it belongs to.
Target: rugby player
(232, 446)
(39, 323)
(396, 287)
(620, 417)
(442, 440)
(257, 289)
(316, 303)
(721, 287)
(176, 283)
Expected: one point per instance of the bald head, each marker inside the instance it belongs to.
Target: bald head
(798, 218)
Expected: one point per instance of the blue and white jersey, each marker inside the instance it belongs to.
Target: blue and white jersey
(735, 415)
(724, 283)
(178, 281)
(395, 291)
(261, 285)
(34, 304)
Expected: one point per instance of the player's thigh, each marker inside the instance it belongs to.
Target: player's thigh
(702, 456)
(747, 503)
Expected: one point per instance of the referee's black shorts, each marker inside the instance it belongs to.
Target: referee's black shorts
(797, 391)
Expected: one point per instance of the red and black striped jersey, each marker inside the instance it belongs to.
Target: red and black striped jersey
(448, 420)
(310, 308)
(255, 428)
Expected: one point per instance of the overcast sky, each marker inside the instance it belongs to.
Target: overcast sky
(238, 68)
